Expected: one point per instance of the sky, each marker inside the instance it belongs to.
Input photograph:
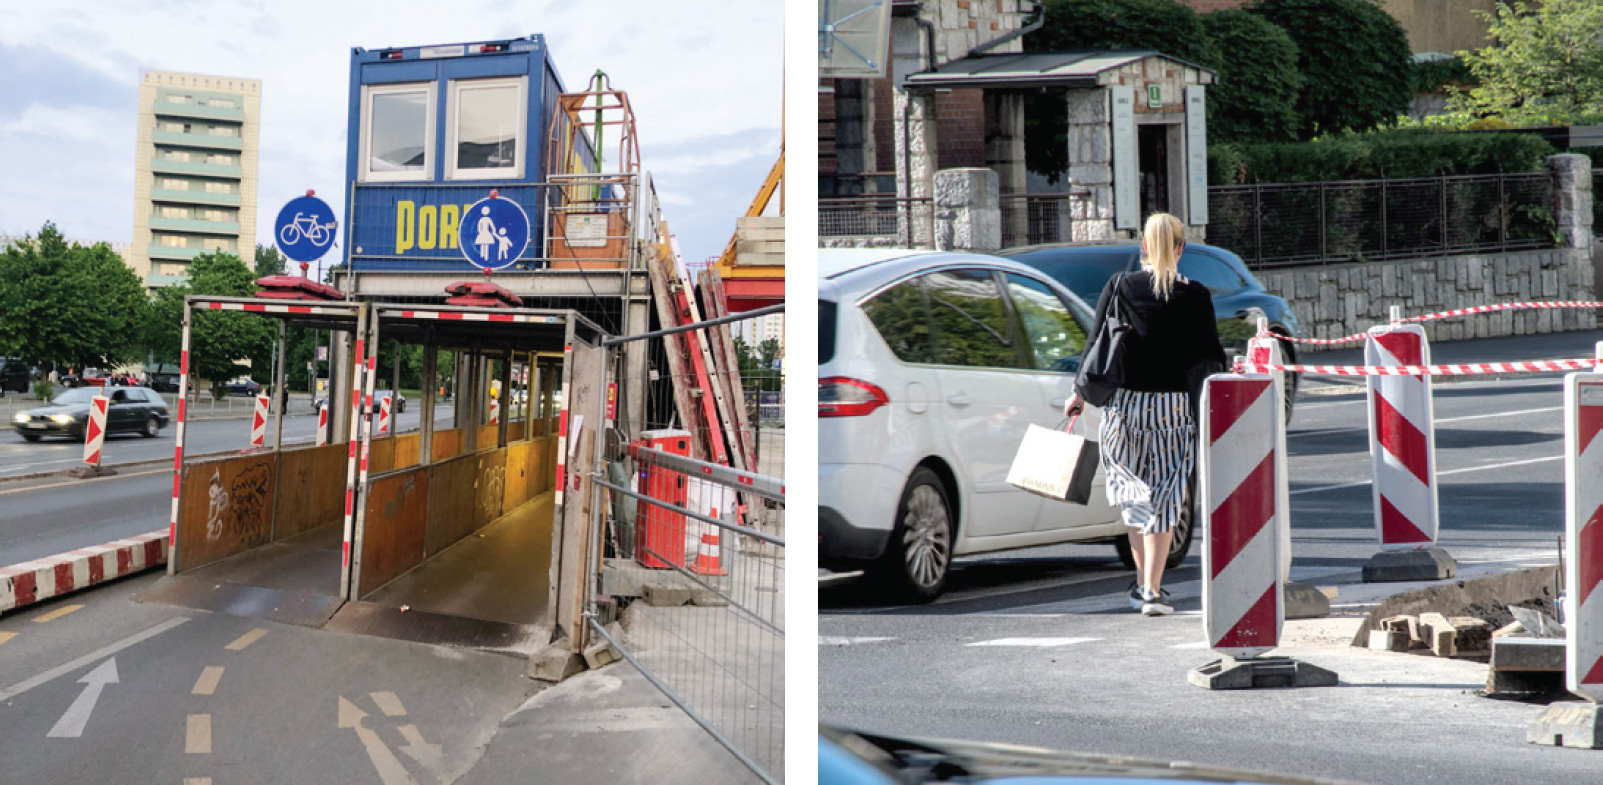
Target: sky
(705, 79)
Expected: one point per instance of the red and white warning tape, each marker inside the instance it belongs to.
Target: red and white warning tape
(1430, 317)
(1471, 369)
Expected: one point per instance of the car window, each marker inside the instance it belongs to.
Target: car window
(1084, 271)
(970, 320)
(900, 317)
(1210, 272)
(1054, 337)
(826, 331)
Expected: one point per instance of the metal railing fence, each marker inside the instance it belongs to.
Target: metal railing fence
(1033, 219)
(1297, 224)
(908, 219)
(705, 538)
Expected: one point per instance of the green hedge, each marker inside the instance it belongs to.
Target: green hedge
(1430, 76)
(1377, 155)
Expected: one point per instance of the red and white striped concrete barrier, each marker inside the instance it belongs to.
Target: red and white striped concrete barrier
(1402, 440)
(383, 416)
(322, 425)
(41, 579)
(258, 423)
(1265, 351)
(495, 411)
(1242, 467)
(1583, 530)
(95, 433)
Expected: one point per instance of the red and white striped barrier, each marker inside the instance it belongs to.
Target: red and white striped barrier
(495, 411)
(1466, 369)
(1241, 468)
(258, 422)
(1402, 441)
(95, 433)
(1265, 351)
(384, 416)
(41, 579)
(322, 425)
(1471, 311)
(1583, 531)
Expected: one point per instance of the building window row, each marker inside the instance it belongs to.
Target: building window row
(176, 127)
(484, 136)
(209, 186)
(203, 243)
(222, 103)
(197, 214)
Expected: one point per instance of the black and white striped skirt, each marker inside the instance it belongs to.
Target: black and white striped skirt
(1148, 449)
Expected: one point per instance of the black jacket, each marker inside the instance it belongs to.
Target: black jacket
(1178, 335)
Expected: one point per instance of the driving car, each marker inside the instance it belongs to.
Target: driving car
(1239, 300)
(398, 406)
(130, 410)
(931, 368)
(244, 386)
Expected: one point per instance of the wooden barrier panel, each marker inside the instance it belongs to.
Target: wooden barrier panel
(517, 475)
(393, 535)
(489, 435)
(515, 431)
(381, 455)
(490, 487)
(226, 507)
(541, 467)
(447, 444)
(451, 502)
(311, 489)
(406, 450)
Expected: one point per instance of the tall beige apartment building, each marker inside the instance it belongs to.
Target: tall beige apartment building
(195, 172)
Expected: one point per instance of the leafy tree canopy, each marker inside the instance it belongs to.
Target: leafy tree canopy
(70, 305)
(218, 338)
(1543, 67)
(1255, 98)
(269, 261)
(1354, 59)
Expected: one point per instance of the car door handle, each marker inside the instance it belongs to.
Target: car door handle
(958, 399)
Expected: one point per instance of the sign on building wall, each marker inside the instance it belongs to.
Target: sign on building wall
(1196, 156)
(1126, 163)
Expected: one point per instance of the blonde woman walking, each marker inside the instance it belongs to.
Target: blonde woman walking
(1149, 434)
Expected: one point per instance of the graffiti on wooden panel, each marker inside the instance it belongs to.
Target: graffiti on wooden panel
(249, 498)
(217, 506)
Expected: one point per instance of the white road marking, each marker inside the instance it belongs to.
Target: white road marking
(833, 640)
(1501, 414)
(389, 703)
(247, 639)
(198, 735)
(1034, 642)
(72, 723)
(99, 654)
(1443, 473)
(207, 683)
(1191, 645)
(389, 767)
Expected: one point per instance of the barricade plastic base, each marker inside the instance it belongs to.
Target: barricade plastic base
(1305, 602)
(1233, 674)
(1567, 724)
(1425, 564)
(89, 472)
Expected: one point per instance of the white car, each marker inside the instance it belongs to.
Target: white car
(931, 368)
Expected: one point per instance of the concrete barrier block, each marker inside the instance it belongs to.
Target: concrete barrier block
(706, 598)
(1305, 602)
(556, 663)
(1426, 564)
(1229, 674)
(663, 595)
(1528, 654)
(1567, 724)
(1389, 640)
(601, 654)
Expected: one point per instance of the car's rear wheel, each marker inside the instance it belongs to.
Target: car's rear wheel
(1184, 532)
(152, 428)
(919, 555)
(32, 437)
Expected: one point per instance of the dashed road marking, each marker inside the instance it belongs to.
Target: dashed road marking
(197, 781)
(198, 735)
(6, 636)
(1033, 642)
(1191, 645)
(389, 704)
(94, 656)
(835, 640)
(247, 639)
(57, 613)
(207, 683)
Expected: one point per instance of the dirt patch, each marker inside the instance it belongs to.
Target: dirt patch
(1485, 598)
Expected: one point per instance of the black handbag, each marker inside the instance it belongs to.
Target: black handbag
(1102, 366)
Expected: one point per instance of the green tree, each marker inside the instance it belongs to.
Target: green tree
(69, 305)
(1255, 98)
(757, 365)
(269, 261)
(1354, 59)
(218, 338)
(1543, 67)
(1163, 25)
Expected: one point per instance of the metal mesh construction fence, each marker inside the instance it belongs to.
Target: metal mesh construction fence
(1280, 225)
(909, 220)
(696, 519)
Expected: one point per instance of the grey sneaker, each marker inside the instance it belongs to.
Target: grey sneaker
(1157, 604)
(1138, 596)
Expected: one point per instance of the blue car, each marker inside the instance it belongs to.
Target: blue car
(1238, 299)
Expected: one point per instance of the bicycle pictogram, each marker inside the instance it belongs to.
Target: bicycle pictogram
(307, 226)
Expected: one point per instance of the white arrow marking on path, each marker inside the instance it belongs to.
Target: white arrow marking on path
(389, 767)
(427, 755)
(71, 724)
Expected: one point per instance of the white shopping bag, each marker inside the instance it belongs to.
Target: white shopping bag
(1055, 464)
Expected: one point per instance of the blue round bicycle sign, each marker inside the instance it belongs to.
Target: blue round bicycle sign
(305, 229)
(495, 231)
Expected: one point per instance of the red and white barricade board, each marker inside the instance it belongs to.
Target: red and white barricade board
(495, 411)
(1238, 489)
(1402, 440)
(95, 433)
(258, 423)
(1267, 351)
(384, 416)
(322, 425)
(1583, 533)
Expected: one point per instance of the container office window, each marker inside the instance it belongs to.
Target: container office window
(398, 139)
(485, 136)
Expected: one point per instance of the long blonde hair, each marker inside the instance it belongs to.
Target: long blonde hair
(1161, 241)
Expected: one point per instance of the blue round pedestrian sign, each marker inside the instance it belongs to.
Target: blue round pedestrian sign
(305, 228)
(494, 232)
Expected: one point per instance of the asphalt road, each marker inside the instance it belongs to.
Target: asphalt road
(52, 515)
(1037, 647)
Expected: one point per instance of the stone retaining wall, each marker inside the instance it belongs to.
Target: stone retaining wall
(1339, 300)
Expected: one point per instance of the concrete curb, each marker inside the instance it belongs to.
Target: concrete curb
(41, 579)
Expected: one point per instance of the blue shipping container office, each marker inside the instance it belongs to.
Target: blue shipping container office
(433, 130)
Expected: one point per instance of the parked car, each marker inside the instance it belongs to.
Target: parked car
(398, 406)
(131, 410)
(15, 375)
(1239, 300)
(931, 368)
(89, 377)
(244, 386)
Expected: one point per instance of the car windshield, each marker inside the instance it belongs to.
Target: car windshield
(77, 395)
